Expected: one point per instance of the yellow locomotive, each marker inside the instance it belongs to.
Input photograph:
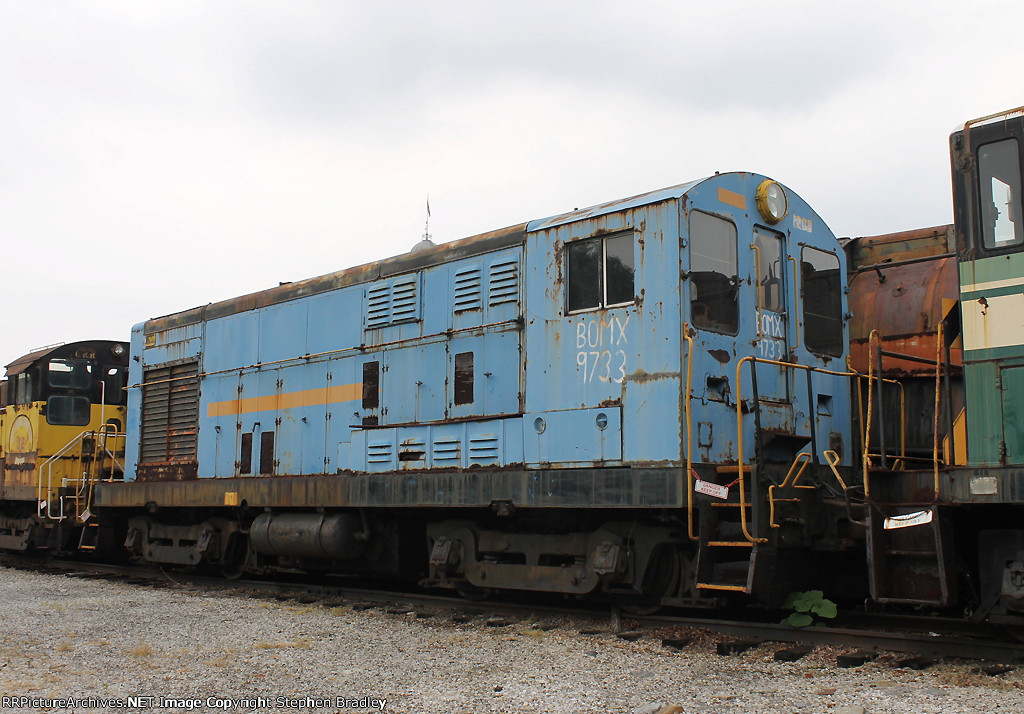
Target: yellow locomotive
(61, 431)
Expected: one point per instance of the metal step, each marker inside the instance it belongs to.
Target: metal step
(909, 565)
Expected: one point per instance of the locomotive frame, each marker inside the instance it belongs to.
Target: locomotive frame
(510, 410)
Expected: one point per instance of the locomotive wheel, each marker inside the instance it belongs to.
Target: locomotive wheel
(472, 593)
(236, 557)
(660, 581)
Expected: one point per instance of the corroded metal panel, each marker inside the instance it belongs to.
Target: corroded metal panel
(568, 488)
(904, 304)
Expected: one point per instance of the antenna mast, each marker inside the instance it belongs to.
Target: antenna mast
(426, 227)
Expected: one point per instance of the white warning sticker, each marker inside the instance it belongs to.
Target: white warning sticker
(907, 520)
(711, 489)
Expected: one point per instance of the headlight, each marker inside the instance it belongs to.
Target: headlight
(772, 201)
(117, 350)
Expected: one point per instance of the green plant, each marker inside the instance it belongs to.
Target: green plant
(806, 605)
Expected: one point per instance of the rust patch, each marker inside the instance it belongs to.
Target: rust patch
(642, 377)
(180, 471)
(722, 356)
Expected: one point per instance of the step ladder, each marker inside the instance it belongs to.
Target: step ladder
(727, 559)
(908, 557)
(90, 536)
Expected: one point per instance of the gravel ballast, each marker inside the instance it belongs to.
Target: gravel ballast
(192, 650)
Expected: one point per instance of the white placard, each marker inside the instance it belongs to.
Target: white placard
(984, 486)
(908, 520)
(711, 489)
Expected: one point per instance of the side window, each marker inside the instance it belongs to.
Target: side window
(267, 452)
(464, 378)
(245, 455)
(769, 266)
(714, 284)
(24, 388)
(600, 272)
(371, 385)
(67, 411)
(1000, 185)
(821, 289)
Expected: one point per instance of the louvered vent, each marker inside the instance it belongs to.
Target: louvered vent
(483, 449)
(467, 290)
(379, 452)
(412, 454)
(447, 452)
(404, 300)
(170, 414)
(395, 301)
(503, 283)
(378, 306)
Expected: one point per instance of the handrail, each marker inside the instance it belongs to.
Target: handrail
(867, 422)
(103, 433)
(785, 481)
(757, 286)
(48, 464)
(44, 509)
(796, 301)
(833, 459)
(866, 441)
(935, 436)
(689, 433)
(739, 422)
(806, 458)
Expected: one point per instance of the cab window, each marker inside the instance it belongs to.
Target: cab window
(600, 272)
(1000, 184)
(714, 293)
(62, 410)
(70, 374)
(821, 288)
(24, 388)
(769, 267)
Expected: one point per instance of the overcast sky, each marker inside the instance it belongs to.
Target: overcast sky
(158, 156)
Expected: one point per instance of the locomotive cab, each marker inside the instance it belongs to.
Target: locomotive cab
(987, 160)
(951, 535)
(62, 430)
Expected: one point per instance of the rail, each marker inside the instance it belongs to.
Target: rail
(874, 340)
(45, 506)
(84, 485)
(754, 361)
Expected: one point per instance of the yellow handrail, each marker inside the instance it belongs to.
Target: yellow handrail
(867, 422)
(833, 459)
(739, 424)
(866, 441)
(938, 372)
(802, 456)
(689, 433)
(796, 301)
(757, 286)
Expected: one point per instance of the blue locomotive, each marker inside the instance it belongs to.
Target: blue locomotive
(688, 395)
(646, 399)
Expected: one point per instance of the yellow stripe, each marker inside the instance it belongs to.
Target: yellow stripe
(733, 199)
(288, 400)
